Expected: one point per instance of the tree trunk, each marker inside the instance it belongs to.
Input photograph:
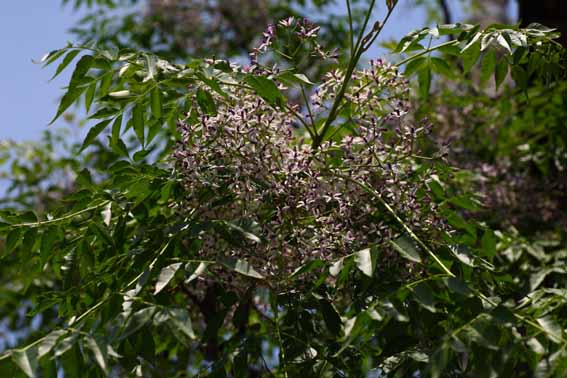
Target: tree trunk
(551, 13)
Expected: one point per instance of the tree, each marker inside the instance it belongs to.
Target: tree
(548, 12)
(262, 220)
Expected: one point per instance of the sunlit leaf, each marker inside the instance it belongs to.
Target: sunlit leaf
(407, 248)
(165, 276)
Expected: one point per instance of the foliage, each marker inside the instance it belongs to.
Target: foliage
(260, 220)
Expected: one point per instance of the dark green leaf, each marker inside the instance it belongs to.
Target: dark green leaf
(65, 62)
(424, 79)
(470, 56)
(94, 132)
(488, 66)
(501, 72)
(156, 103)
(266, 89)
(138, 121)
(424, 296)
(206, 102)
(332, 319)
(442, 67)
(116, 125)
(181, 320)
(307, 267)
(89, 96)
(415, 65)
(138, 320)
(72, 94)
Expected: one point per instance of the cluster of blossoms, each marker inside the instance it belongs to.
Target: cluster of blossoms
(244, 169)
(295, 32)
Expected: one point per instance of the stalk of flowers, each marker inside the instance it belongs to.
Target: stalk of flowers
(245, 167)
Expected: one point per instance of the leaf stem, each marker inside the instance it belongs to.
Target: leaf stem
(362, 44)
(62, 219)
(427, 51)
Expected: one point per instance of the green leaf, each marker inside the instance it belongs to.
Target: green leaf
(241, 266)
(201, 268)
(13, 239)
(156, 103)
(100, 356)
(520, 76)
(503, 43)
(89, 96)
(487, 40)
(331, 317)
(488, 243)
(52, 56)
(266, 89)
(303, 79)
(165, 276)
(138, 121)
(49, 341)
(464, 256)
(206, 102)
(94, 132)
(423, 296)
(26, 359)
(181, 320)
(67, 100)
(424, 79)
(366, 261)
(465, 202)
(74, 90)
(307, 267)
(415, 65)
(487, 67)
(407, 248)
(442, 67)
(104, 113)
(138, 320)
(337, 266)
(118, 146)
(501, 72)
(458, 286)
(539, 276)
(439, 360)
(552, 329)
(470, 56)
(68, 59)
(105, 83)
(116, 126)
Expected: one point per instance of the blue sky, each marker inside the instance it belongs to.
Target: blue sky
(30, 28)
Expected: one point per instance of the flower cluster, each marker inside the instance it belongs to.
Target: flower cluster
(286, 38)
(245, 169)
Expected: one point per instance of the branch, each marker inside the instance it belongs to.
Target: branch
(447, 18)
